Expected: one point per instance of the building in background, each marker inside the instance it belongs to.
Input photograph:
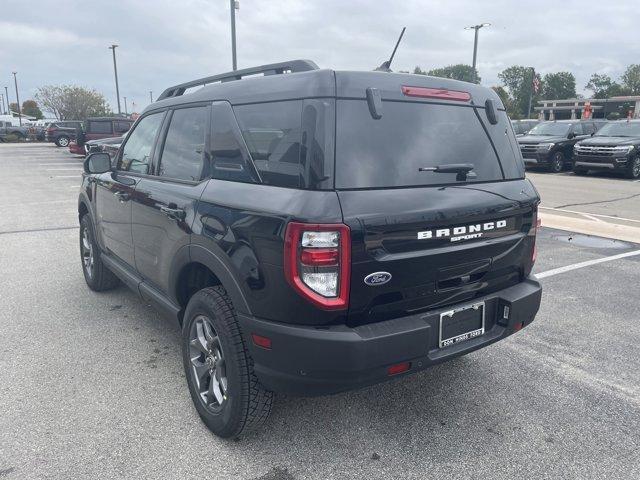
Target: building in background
(574, 108)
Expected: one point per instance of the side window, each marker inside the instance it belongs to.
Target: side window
(229, 157)
(182, 155)
(272, 131)
(589, 128)
(100, 127)
(121, 127)
(136, 153)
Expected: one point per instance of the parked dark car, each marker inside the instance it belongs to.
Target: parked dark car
(62, 132)
(550, 144)
(109, 145)
(314, 231)
(8, 130)
(522, 127)
(614, 148)
(98, 128)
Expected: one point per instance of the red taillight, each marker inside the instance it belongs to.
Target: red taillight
(399, 368)
(441, 93)
(261, 341)
(317, 263)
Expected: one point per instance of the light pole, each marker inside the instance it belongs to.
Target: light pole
(6, 95)
(475, 41)
(125, 105)
(235, 5)
(150, 96)
(115, 71)
(15, 81)
(2, 107)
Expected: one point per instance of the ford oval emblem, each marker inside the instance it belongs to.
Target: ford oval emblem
(377, 278)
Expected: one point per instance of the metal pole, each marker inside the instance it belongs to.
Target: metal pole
(15, 81)
(234, 62)
(475, 46)
(125, 105)
(6, 91)
(530, 92)
(150, 96)
(2, 99)
(115, 71)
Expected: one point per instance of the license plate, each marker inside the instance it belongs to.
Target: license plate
(461, 324)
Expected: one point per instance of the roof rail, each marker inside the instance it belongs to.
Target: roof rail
(292, 66)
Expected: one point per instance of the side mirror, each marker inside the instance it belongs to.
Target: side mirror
(98, 162)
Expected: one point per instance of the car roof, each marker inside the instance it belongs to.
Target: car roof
(321, 83)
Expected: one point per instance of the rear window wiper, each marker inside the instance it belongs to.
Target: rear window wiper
(464, 170)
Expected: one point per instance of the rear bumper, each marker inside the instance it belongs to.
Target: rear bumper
(77, 149)
(311, 361)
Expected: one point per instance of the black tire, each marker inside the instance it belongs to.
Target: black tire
(244, 404)
(62, 141)
(556, 164)
(633, 169)
(98, 277)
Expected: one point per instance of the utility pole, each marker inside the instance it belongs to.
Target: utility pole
(15, 81)
(115, 71)
(235, 5)
(531, 87)
(475, 41)
(150, 96)
(125, 105)
(2, 100)
(6, 95)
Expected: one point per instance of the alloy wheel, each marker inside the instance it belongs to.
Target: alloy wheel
(63, 141)
(635, 169)
(87, 253)
(208, 369)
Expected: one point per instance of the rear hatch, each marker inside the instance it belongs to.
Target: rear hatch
(437, 238)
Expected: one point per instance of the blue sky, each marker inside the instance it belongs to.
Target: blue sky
(164, 42)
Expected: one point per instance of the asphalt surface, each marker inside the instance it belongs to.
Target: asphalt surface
(91, 385)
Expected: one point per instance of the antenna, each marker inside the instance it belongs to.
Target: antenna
(386, 66)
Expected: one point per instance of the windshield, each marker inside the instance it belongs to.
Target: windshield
(390, 151)
(620, 129)
(551, 128)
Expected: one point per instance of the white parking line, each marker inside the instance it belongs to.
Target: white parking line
(591, 214)
(59, 163)
(63, 169)
(65, 176)
(588, 263)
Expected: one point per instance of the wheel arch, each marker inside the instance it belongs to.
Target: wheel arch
(204, 268)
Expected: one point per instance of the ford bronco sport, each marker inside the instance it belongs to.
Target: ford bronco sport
(315, 231)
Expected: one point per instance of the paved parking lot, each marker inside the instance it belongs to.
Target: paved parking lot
(91, 385)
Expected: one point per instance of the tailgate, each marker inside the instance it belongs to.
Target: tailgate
(440, 245)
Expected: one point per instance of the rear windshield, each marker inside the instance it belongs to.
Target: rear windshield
(388, 152)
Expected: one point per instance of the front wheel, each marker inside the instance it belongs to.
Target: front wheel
(557, 163)
(98, 277)
(633, 170)
(62, 141)
(219, 370)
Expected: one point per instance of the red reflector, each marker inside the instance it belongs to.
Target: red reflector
(319, 256)
(517, 327)
(399, 368)
(261, 341)
(455, 95)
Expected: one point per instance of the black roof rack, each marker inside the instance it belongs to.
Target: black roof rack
(292, 66)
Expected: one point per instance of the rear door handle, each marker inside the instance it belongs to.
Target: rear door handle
(122, 196)
(174, 213)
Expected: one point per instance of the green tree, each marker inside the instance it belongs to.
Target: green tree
(518, 82)
(504, 96)
(631, 79)
(419, 71)
(71, 102)
(603, 86)
(559, 85)
(30, 108)
(13, 106)
(463, 72)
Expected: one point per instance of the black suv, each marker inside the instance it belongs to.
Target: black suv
(315, 231)
(522, 127)
(550, 144)
(614, 148)
(62, 132)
